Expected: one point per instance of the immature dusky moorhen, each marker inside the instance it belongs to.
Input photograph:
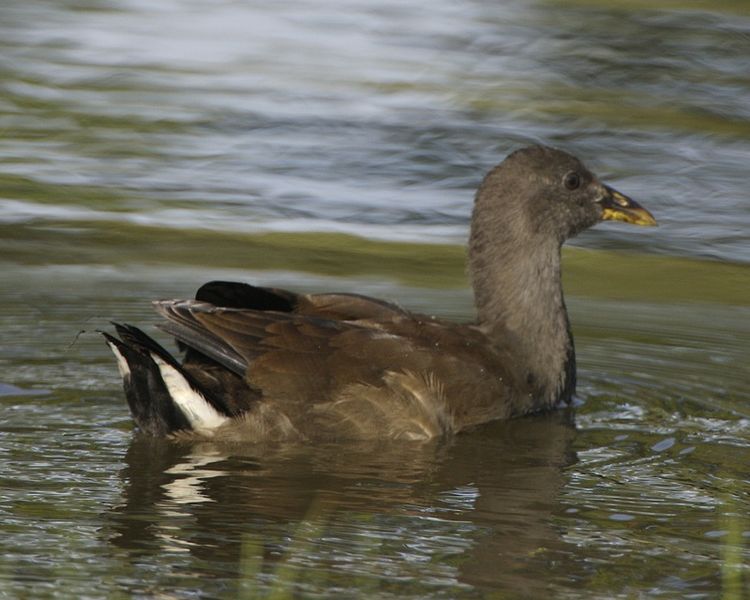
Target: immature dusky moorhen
(266, 364)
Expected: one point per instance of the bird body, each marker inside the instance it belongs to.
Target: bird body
(266, 364)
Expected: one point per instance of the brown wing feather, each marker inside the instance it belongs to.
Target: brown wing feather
(325, 374)
(347, 307)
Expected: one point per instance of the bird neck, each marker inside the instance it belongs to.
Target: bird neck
(520, 306)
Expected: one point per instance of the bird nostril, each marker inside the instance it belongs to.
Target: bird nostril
(620, 200)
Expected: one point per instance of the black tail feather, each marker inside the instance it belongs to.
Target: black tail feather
(137, 339)
(150, 403)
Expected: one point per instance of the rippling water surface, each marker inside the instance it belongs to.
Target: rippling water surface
(147, 147)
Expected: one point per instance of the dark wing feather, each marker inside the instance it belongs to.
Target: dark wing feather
(338, 307)
(231, 294)
(267, 346)
(184, 327)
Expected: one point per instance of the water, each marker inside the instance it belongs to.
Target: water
(147, 147)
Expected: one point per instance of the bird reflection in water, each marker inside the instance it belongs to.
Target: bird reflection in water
(476, 505)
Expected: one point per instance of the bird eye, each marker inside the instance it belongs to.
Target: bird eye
(572, 180)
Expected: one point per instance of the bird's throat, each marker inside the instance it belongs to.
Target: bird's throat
(520, 305)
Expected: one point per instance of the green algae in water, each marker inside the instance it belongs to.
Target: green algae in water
(592, 273)
(739, 7)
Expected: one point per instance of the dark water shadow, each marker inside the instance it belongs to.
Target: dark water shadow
(6, 389)
(493, 490)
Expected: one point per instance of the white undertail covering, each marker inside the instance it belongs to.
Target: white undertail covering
(202, 416)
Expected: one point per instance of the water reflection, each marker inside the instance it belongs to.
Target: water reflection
(474, 505)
